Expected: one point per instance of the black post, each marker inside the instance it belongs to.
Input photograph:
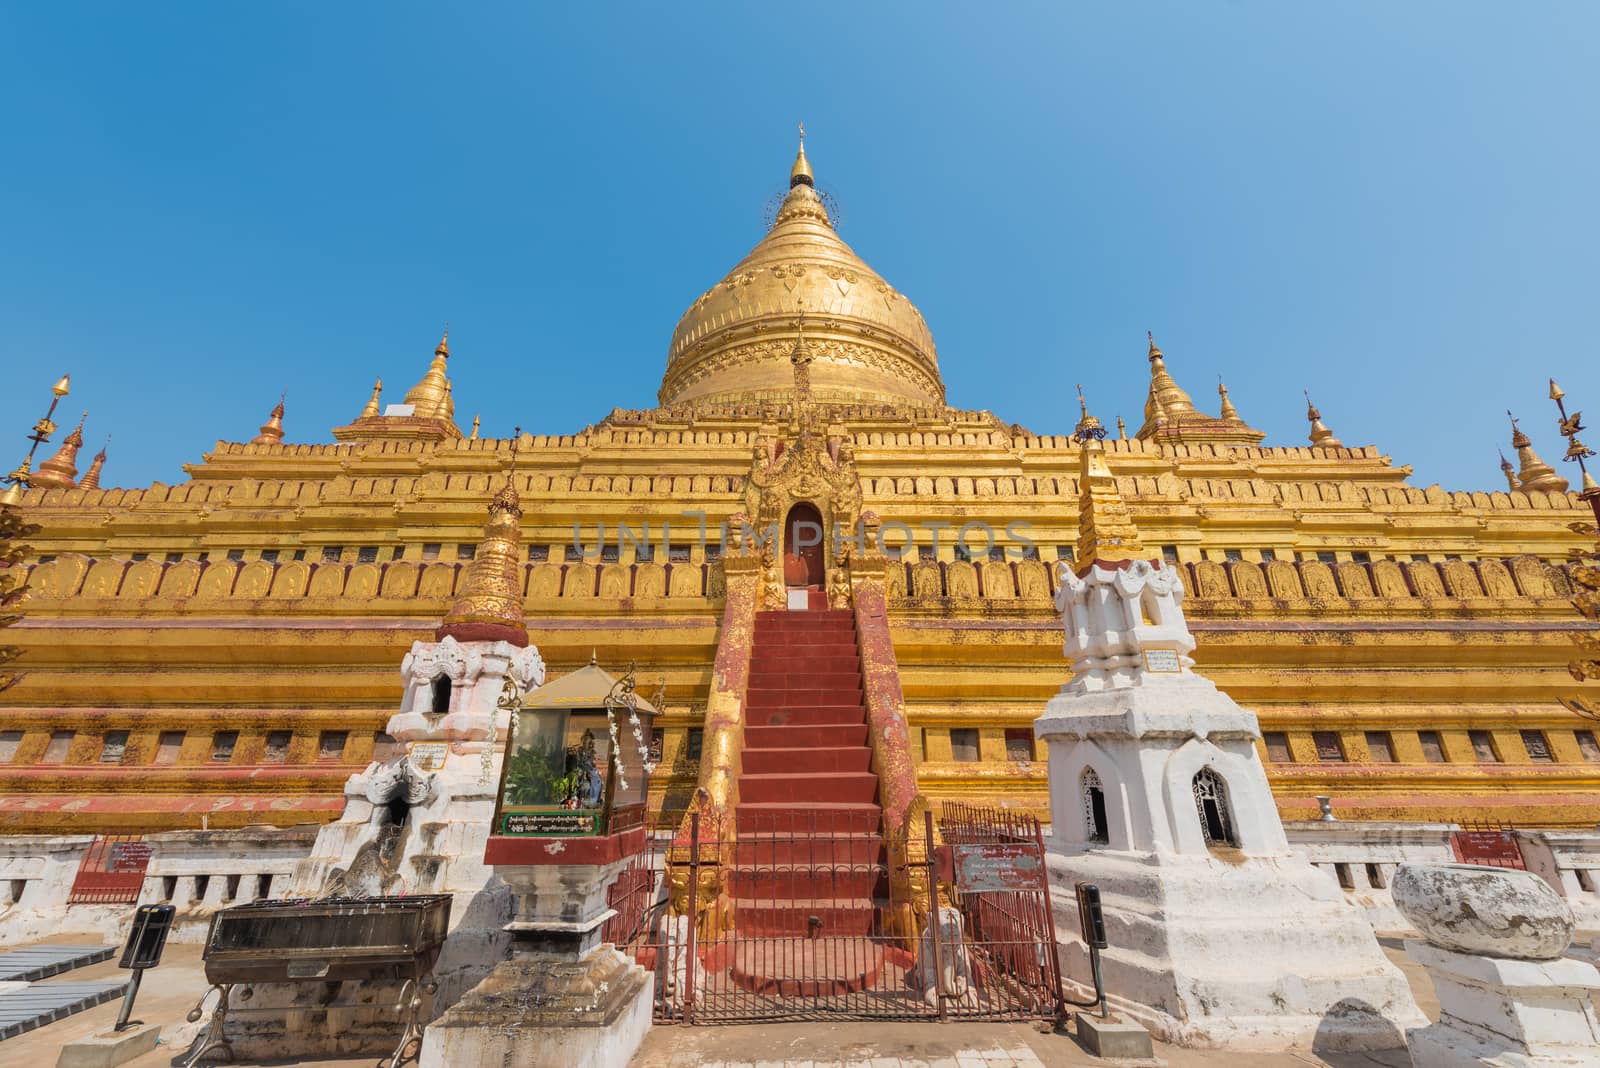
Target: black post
(146, 940)
(123, 1023)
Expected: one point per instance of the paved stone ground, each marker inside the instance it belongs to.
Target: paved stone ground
(170, 991)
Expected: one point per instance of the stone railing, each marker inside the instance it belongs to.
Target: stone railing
(1362, 856)
(1570, 862)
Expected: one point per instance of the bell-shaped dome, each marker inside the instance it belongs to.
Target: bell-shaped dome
(868, 342)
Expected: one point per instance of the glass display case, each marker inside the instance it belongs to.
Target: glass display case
(562, 775)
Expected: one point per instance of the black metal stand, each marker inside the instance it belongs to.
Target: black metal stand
(123, 1023)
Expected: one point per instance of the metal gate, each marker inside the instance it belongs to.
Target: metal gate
(111, 871)
(802, 917)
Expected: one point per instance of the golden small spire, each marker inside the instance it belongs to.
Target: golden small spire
(61, 470)
(1229, 412)
(1321, 436)
(475, 421)
(272, 429)
(1106, 531)
(1509, 472)
(1577, 452)
(800, 173)
(1535, 474)
(1122, 429)
(372, 407)
(1166, 399)
(427, 397)
(489, 607)
(1088, 426)
(91, 480)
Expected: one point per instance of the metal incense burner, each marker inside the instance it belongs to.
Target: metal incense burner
(379, 939)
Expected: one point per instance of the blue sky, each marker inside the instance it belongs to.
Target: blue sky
(1392, 205)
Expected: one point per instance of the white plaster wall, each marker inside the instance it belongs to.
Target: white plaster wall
(1326, 844)
(49, 864)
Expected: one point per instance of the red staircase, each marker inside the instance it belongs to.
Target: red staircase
(809, 859)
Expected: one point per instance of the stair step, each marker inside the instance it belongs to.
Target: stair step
(786, 736)
(849, 917)
(789, 677)
(803, 967)
(822, 818)
(794, 663)
(808, 758)
(814, 716)
(780, 616)
(797, 696)
(800, 850)
(802, 645)
(856, 787)
(779, 886)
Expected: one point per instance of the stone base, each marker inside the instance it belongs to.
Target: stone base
(1114, 1038)
(1507, 1013)
(547, 1012)
(1235, 952)
(109, 1048)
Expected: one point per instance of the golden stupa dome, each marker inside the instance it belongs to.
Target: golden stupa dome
(869, 342)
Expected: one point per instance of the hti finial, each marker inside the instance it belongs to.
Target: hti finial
(800, 173)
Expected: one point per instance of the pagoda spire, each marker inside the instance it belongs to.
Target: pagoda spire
(489, 607)
(1106, 532)
(429, 396)
(61, 470)
(1321, 436)
(91, 479)
(372, 407)
(1122, 429)
(1229, 413)
(1166, 397)
(1512, 482)
(1535, 474)
(800, 173)
(272, 429)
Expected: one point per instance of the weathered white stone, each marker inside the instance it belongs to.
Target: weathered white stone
(1220, 935)
(1507, 1013)
(1497, 912)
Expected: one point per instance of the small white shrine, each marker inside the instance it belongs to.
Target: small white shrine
(418, 822)
(1219, 934)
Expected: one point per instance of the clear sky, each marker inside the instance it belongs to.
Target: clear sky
(1393, 205)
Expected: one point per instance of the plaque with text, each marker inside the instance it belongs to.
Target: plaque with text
(989, 867)
(428, 756)
(550, 823)
(1162, 660)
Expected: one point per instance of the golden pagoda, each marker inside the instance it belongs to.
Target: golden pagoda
(1404, 646)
